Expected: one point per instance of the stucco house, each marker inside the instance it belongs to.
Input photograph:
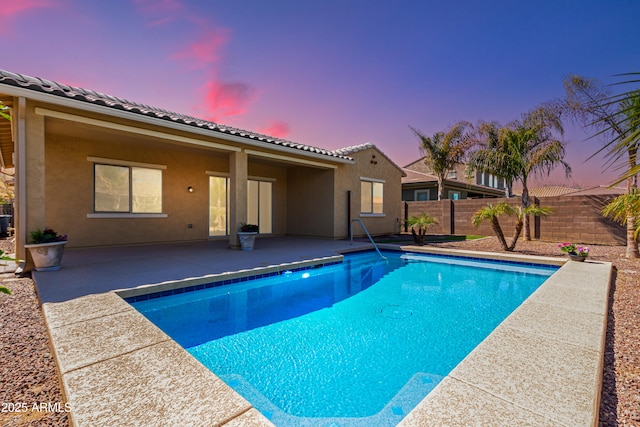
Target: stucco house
(419, 184)
(107, 171)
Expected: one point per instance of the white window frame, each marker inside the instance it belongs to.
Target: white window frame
(370, 213)
(416, 192)
(130, 165)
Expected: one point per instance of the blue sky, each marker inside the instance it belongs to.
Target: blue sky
(332, 73)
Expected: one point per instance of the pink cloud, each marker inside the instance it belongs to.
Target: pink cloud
(204, 51)
(227, 99)
(9, 9)
(276, 129)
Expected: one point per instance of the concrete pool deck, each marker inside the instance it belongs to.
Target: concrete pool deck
(541, 366)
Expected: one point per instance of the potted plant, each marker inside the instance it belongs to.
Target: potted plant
(247, 235)
(46, 249)
(576, 253)
(420, 223)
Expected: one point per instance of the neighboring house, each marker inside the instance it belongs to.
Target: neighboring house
(420, 184)
(107, 171)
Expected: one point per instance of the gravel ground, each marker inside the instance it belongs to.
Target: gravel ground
(28, 374)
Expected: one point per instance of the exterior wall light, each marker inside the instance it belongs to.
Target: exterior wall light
(190, 189)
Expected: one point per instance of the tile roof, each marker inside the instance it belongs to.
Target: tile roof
(354, 149)
(601, 190)
(551, 191)
(37, 84)
(557, 191)
(415, 176)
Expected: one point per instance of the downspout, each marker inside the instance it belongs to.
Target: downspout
(348, 212)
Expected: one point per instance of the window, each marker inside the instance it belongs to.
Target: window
(260, 205)
(421, 195)
(127, 189)
(218, 206)
(454, 195)
(452, 175)
(371, 197)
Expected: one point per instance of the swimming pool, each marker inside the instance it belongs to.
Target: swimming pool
(357, 343)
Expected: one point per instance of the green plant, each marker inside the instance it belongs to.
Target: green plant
(492, 212)
(249, 228)
(420, 223)
(572, 249)
(46, 236)
(4, 257)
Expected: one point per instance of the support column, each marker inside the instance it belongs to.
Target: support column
(30, 183)
(238, 168)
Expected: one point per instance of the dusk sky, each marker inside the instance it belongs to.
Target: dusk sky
(332, 73)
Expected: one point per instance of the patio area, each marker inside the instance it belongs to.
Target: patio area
(98, 270)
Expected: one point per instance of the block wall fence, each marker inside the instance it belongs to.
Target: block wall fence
(575, 218)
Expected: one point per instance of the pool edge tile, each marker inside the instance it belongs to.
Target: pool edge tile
(251, 418)
(91, 341)
(161, 382)
(455, 403)
(84, 308)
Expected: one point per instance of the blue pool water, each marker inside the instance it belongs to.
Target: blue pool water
(356, 343)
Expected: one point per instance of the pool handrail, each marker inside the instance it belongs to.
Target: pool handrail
(368, 235)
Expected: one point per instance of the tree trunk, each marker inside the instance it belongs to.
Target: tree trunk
(440, 188)
(418, 238)
(498, 230)
(516, 236)
(632, 244)
(632, 185)
(525, 204)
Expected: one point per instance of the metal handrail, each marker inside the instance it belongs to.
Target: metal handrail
(368, 235)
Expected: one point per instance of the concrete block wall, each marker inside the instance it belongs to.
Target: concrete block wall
(579, 219)
(575, 218)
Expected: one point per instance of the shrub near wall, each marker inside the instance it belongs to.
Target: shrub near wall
(574, 218)
(441, 210)
(465, 209)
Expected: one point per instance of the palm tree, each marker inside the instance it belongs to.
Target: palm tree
(493, 156)
(444, 150)
(421, 223)
(616, 118)
(624, 207)
(493, 212)
(522, 148)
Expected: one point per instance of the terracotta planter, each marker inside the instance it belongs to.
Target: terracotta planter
(578, 258)
(47, 256)
(247, 240)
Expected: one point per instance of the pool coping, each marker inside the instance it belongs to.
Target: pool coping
(541, 366)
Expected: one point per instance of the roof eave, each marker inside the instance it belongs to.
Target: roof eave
(156, 121)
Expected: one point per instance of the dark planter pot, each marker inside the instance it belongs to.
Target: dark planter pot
(578, 258)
